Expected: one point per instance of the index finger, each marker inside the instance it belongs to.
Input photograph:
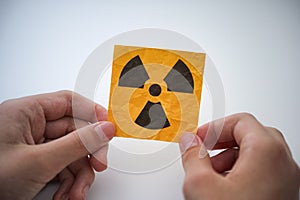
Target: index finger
(66, 103)
(228, 132)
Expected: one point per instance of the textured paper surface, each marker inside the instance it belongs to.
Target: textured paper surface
(155, 93)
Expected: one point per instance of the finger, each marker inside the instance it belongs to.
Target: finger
(58, 128)
(84, 177)
(66, 103)
(275, 133)
(66, 179)
(228, 132)
(69, 148)
(224, 160)
(99, 159)
(196, 163)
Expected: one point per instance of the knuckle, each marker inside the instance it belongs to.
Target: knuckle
(246, 121)
(246, 116)
(269, 145)
(65, 92)
(279, 133)
(274, 145)
(67, 95)
(278, 148)
(255, 143)
(25, 107)
(276, 132)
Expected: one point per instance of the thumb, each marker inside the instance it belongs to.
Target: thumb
(77, 144)
(196, 163)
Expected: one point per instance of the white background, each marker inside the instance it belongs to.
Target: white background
(254, 44)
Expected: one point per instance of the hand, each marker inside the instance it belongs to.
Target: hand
(38, 142)
(260, 163)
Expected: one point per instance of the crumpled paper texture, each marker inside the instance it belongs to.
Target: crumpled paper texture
(161, 112)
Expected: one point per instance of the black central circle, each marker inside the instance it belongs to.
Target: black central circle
(155, 90)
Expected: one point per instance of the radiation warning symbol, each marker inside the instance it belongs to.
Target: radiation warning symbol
(155, 93)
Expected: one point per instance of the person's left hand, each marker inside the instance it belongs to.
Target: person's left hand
(38, 142)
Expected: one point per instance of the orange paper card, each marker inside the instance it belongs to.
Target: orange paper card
(155, 93)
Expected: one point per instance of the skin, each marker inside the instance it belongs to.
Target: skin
(258, 159)
(39, 143)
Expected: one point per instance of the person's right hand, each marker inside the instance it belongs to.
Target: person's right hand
(260, 163)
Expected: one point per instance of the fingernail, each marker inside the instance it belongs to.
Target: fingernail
(85, 191)
(105, 131)
(187, 141)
